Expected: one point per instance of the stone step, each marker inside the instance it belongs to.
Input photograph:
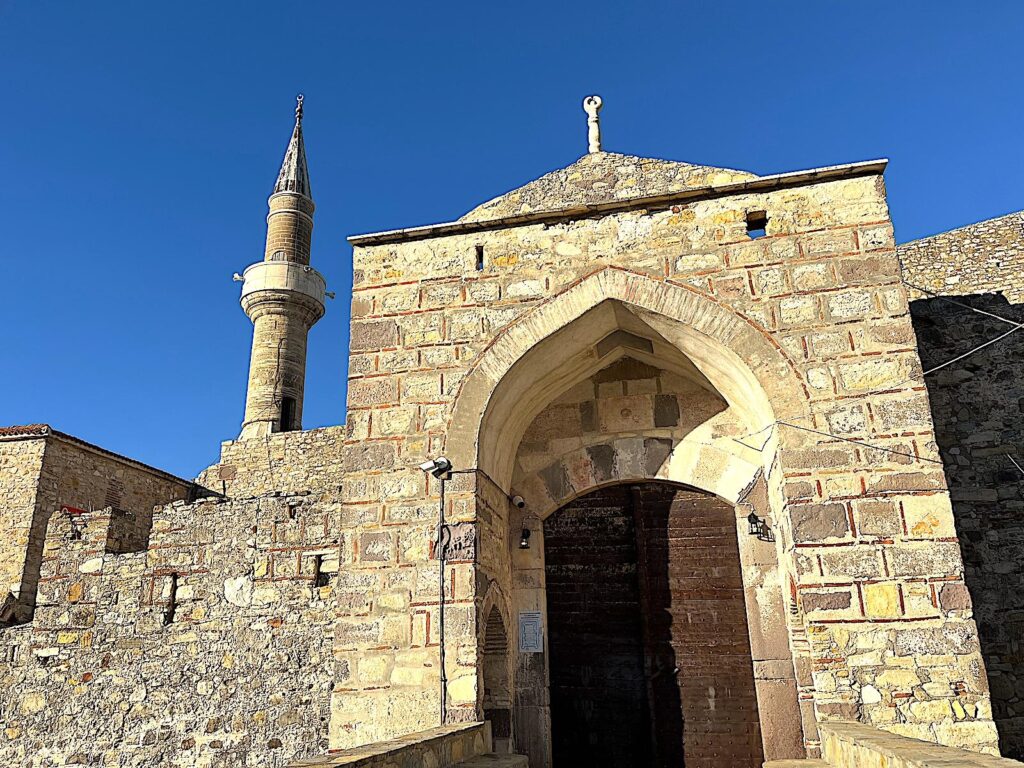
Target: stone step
(796, 764)
(492, 760)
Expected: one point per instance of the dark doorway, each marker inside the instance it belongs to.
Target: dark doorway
(287, 414)
(650, 659)
(497, 703)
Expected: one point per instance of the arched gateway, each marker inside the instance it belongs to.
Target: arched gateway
(619, 414)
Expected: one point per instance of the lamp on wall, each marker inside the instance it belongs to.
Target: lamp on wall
(524, 537)
(759, 528)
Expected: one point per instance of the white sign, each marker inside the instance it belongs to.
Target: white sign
(531, 632)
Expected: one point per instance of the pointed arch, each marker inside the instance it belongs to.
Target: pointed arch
(548, 348)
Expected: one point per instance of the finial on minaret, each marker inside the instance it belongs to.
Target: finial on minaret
(592, 105)
(294, 175)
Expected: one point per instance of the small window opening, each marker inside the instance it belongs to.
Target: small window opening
(172, 601)
(479, 258)
(287, 414)
(321, 578)
(757, 223)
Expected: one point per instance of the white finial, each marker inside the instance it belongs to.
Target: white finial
(592, 105)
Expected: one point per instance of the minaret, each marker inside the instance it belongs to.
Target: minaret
(284, 297)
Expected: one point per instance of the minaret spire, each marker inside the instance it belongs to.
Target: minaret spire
(294, 175)
(284, 297)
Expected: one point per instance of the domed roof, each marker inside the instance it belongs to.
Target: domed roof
(603, 177)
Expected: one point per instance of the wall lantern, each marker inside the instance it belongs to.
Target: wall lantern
(524, 537)
(759, 528)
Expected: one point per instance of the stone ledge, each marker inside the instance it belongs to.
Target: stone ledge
(854, 745)
(496, 761)
(449, 745)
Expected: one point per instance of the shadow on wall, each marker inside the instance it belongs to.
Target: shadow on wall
(978, 408)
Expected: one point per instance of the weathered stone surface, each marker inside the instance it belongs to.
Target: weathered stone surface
(818, 522)
(826, 601)
(376, 334)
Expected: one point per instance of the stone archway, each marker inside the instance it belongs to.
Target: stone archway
(738, 358)
(624, 378)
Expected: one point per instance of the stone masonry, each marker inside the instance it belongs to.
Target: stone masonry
(208, 646)
(436, 306)
(976, 406)
(986, 257)
(43, 471)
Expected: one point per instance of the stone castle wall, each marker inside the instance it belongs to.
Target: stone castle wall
(977, 404)
(210, 648)
(285, 462)
(987, 257)
(43, 472)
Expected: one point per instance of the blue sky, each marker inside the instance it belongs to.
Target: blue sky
(140, 140)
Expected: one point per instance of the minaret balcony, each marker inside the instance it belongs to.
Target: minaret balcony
(300, 280)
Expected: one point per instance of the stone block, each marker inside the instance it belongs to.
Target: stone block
(877, 517)
(365, 456)
(819, 522)
(954, 597)
(373, 335)
(372, 391)
(928, 516)
(389, 422)
(937, 558)
(425, 328)
(850, 305)
(831, 600)
(882, 600)
(626, 414)
(953, 637)
(799, 310)
(809, 277)
(421, 387)
(376, 547)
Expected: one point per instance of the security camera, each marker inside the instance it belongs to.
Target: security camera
(238, 278)
(519, 502)
(437, 467)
